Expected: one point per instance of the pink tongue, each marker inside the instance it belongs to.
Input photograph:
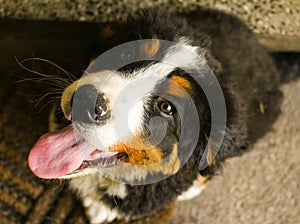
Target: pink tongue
(58, 153)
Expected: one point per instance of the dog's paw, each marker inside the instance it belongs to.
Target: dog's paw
(98, 212)
(197, 187)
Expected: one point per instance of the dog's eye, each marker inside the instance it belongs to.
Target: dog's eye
(166, 107)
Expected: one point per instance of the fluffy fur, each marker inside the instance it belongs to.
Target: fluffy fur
(249, 82)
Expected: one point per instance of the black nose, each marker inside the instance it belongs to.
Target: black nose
(89, 106)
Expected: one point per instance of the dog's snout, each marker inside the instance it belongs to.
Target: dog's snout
(89, 106)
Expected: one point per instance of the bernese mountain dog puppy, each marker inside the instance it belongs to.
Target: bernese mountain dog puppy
(164, 100)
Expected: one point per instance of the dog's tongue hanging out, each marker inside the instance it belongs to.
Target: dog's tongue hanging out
(58, 153)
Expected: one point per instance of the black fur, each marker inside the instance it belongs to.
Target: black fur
(246, 74)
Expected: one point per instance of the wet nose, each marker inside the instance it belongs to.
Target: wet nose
(90, 106)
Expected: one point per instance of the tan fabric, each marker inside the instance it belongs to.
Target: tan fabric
(276, 22)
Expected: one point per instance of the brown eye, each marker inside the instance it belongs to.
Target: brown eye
(166, 107)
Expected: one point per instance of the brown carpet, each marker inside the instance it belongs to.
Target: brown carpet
(262, 186)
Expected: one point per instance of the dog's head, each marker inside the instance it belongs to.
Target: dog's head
(138, 112)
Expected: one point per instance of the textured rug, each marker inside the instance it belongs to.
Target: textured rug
(276, 22)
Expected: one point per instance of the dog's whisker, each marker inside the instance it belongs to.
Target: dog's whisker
(46, 79)
(40, 95)
(57, 79)
(70, 76)
(48, 103)
(50, 81)
(37, 102)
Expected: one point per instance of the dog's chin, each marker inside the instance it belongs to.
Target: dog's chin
(126, 173)
(91, 167)
(80, 173)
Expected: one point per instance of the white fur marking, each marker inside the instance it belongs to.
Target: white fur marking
(192, 192)
(98, 212)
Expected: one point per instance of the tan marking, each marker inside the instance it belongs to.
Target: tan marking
(198, 186)
(201, 180)
(65, 102)
(149, 158)
(103, 35)
(170, 167)
(150, 47)
(178, 86)
(209, 154)
(139, 153)
(106, 33)
(261, 108)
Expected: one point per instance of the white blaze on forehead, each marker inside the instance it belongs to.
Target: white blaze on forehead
(181, 55)
(129, 107)
(184, 55)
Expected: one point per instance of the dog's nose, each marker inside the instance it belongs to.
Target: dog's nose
(89, 106)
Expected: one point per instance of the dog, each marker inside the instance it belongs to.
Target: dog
(164, 100)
